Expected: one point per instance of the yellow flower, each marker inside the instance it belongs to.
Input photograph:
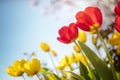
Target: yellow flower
(66, 61)
(32, 67)
(79, 57)
(76, 49)
(82, 36)
(16, 69)
(69, 59)
(61, 66)
(19, 63)
(45, 47)
(54, 53)
(115, 40)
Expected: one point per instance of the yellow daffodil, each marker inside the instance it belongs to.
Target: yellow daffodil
(16, 69)
(32, 67)
(76, 49)
(82, 36)
(54, 53)
(115, 40)
(45, 47)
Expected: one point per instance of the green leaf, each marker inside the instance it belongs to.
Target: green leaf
(99, 65)
(76, 77)
(54, 76)
(118, 75)
(96, 75)
(84, 71)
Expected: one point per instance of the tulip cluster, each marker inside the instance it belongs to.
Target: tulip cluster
(90, 20)
(29, 67)
(16, 68)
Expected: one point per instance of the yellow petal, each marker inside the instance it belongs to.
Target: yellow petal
(69, 59)
(32, 67)
(79, 57)
(14, 71)
(82, 36)
(115, 40)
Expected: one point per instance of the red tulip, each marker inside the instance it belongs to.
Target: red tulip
(117, 9)
(117, 23)
(90, 19)
(68, 34)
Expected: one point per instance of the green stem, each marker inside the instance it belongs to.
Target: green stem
(53, 63)
(108, 55)
(91, 71)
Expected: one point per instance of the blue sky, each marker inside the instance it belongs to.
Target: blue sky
(22, 29)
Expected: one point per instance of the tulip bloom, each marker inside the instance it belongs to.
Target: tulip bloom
(117, 9)
(32, 67)
(45, 46)
(90, 19)
(117, 23)
(53, 52)
(68, 34)
(16, 69)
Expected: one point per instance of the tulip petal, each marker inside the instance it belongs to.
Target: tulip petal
(84, 18)
(117, 23)
(95, 14)
(73, 33)
(83, 26)
(63, 40)
(64, 32)
(68, 34)
(91, 17)
(117, 9)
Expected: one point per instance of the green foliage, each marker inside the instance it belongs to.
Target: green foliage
(76, 77)
(99, 65)
(83, 71)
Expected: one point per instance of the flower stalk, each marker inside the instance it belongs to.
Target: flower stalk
(53, 63)
(92, 74)
(108, 55)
